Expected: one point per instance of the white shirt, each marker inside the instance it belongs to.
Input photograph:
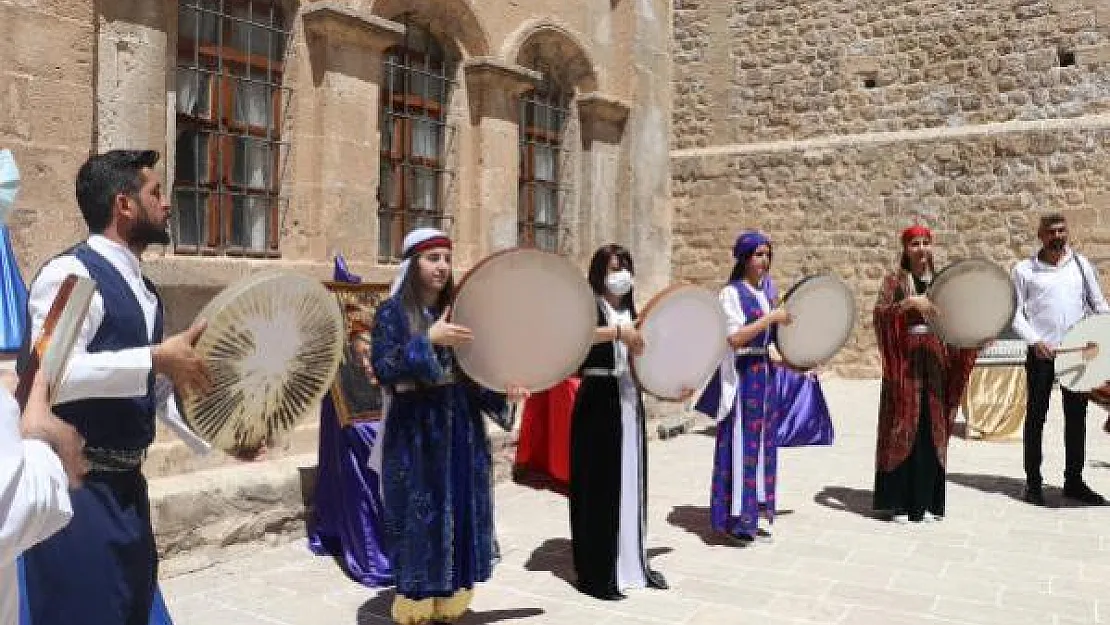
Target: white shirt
(1050, 298)
(107, 374)
(734, 312)
(34, 500)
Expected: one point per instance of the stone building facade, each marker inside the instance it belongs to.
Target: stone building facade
(834, 124)
(294, 131)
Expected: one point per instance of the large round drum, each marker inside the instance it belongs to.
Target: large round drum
(824, 313)
(1083, 358)
(273, 345)
(685, 336)
(975, 300)
(533, 316)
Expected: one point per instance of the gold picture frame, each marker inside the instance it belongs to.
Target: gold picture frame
(355, 392)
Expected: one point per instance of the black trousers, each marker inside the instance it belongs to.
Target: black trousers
(1039, 374)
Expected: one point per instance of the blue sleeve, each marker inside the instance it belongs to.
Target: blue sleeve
(494, 406)
(395, 354)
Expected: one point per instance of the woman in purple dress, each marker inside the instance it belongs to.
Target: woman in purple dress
(741, 398)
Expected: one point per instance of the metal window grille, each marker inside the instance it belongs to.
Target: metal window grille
(414, 139)
(229, 150)
(544, 113)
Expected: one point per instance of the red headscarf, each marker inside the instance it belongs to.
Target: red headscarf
(914, 231)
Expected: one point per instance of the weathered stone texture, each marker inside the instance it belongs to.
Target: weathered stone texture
(786, 69)
(837, 206)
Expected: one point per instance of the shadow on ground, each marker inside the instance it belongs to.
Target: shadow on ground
(1012, 487)
(854, 500)
(377, 611)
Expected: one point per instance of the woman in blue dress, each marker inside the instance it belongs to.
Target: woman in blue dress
(434, 457)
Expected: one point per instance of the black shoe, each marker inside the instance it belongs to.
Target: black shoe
(1033, 494)
(1079, 491)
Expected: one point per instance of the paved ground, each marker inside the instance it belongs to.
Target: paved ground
(993, 560)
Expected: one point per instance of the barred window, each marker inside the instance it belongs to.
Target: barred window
(543, 117)
(230, 63)
(415, 97)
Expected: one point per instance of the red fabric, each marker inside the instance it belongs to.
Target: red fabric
(914, 231)
(431, 243)
(544, 444)
(911, 361)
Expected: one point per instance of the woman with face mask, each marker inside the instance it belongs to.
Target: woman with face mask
(608, 457)
(923, 380)
(741, 397)
(434, 454)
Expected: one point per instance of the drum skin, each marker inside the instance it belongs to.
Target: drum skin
(273, 345)
(1073, 370)
(685, 337)
(976, 302)
(824, 314)
(533, 316)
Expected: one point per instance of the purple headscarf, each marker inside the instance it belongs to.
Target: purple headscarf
(748, 242)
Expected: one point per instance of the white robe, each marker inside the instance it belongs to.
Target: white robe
(630, 544)
(34, 500)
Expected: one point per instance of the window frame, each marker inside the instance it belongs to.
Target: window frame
(230, 72)
(555, 100)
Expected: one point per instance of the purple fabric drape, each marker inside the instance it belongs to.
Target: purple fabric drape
(347, 509)
(805, 418)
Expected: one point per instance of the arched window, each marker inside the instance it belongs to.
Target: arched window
(543, 120)
(415, 95)
(230, 64)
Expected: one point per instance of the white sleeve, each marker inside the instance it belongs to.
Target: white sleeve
(34, 500)
(169, 414)
(1098, 301)
(1021, 324)
(730, 302)
(105, 374)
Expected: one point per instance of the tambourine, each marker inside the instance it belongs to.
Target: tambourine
(975, 300)
(533, 316)
(685, 335)
(273, 345)
(824, 313)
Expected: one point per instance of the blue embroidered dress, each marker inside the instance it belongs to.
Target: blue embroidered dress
(438, 511)
(741, 394)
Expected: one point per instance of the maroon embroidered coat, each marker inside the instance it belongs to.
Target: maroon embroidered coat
(911, 362)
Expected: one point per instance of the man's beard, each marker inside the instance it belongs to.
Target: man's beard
(1057, 245)
(146, 233)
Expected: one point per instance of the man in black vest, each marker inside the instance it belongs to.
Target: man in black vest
(102, 568)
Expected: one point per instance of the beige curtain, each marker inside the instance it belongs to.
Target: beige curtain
(994, 403)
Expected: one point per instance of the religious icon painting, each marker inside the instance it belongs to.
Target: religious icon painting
(355, 392)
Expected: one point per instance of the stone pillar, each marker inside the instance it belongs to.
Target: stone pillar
(338, 201)
(493, 87)
(602, 120)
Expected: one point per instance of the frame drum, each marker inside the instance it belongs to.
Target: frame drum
(533, 316)
(273, 345)
(1083, 359)
(685, 337)
(824, 313)
(976, 302)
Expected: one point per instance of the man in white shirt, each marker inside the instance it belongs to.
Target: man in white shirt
(102, 568)
(1055, 289)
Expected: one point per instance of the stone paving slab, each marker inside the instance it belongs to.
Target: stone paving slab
(993, 559)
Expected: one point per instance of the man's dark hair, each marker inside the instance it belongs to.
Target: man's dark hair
(105, 176)
(1051, 219)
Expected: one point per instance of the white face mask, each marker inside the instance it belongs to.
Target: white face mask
(9, 184)
(619, 283)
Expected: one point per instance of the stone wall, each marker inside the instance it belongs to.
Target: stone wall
(47, 116)
(757, 70)
(834, 124)
(837, 205)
